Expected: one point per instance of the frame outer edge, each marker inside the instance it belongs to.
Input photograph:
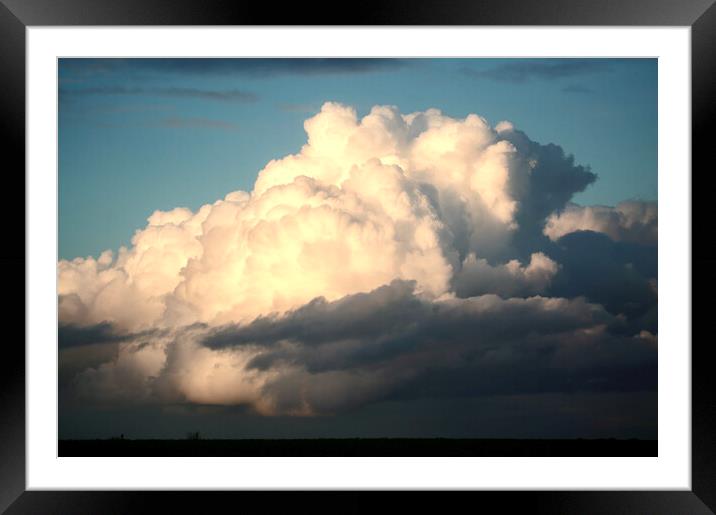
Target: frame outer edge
(12, 106)
(12, 259)
(533, 502)
(703, 111)
(370, 12)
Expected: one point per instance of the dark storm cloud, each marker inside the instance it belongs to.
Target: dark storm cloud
(76, 336)
(74, 360)
(363, 315)
(554, 179)
(393, 318)
(520, 71)
(70, 335)
(81, 348)
(619, 275)
(85, 348)
(232, 95)
(391, 342)
(239, 67)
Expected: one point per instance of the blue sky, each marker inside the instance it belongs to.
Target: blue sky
(139, 135)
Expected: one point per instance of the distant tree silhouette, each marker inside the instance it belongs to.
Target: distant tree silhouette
(193, 435)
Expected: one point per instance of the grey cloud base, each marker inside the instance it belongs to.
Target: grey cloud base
(391, 344)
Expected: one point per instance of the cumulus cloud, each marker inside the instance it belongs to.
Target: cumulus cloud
(633, 221)
(390, 249)
(619, 275)
(366, 201)
(330, 356)
(478, 277)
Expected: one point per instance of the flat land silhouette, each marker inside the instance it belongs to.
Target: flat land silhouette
(352, 447)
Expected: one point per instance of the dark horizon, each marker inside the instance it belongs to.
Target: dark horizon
(561, 416)
(356, 447)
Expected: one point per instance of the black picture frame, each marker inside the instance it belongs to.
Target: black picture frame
(17, 15)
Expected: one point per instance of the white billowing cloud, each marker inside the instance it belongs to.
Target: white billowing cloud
(632, 221)
(478, 277)
(131, 289)
(367, 205)
(365, 201)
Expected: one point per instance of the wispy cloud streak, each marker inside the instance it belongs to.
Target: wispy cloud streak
(524, 71)
(197, 123)
(578, 89)
(228, 66)
(232, 95)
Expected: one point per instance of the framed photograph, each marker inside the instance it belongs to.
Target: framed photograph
(416, 249)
